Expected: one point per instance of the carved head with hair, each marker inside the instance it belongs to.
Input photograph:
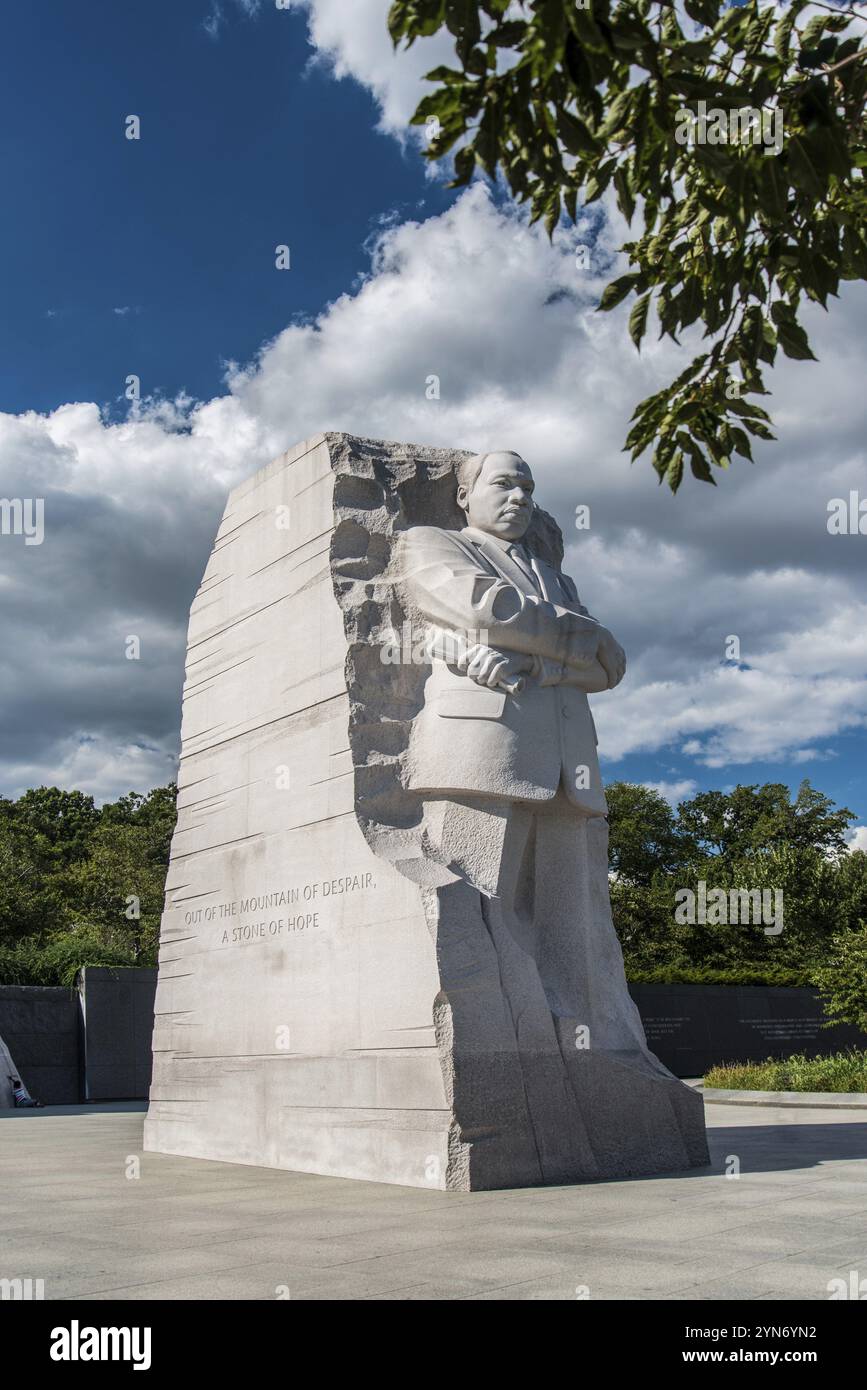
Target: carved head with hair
(495, 491)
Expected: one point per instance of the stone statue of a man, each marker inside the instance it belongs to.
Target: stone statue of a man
(503, 758)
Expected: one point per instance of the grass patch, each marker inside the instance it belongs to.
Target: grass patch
(839, 1072)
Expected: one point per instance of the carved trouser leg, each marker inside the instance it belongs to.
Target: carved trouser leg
(548, 1046)
(577, 952)
(630, 1102)
(497, 928)
(478, 1047)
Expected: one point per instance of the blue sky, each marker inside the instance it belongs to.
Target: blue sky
(244, 144)
(155, 257)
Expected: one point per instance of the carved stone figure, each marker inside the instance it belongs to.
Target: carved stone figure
(503, 754)
(387, 948)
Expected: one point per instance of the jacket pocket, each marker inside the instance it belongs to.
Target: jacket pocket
(477, 703)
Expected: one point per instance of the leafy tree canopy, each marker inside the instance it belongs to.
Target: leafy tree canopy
(737, 223)
(842, 979)
(752, 819)
(644, 838)
(67, 866)
(55, 824)
(647, 836)
(752, 838)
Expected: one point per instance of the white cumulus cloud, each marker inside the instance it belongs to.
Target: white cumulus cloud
(506, 321)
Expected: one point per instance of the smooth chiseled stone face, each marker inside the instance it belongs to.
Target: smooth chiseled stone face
(500, 500)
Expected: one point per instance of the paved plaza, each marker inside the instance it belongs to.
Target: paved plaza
(794, 1219)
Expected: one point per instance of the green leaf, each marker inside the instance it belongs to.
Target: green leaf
(398, 18)
(508, 35)
(692, 371)
(772, 188)
(638, 320)
(617, 115)
(814, 28)
(802, 168)
(598, 182)
(767, 347)
(443, 103)
(465, 163)
(741, 443)
(855, 254)
(412, 19)
(742, 407)
(618, 290)
(486, 144)
(674, 472)
(702, 11)
(462, 20)
(759, 430)
(783, 33)
(575, 135)
(585, 29)
(701, 468)
(552, 213)
(625, 199)
(450, 76)
(793, 341)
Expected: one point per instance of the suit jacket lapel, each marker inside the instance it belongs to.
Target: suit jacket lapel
(554, 585)
(497, 559)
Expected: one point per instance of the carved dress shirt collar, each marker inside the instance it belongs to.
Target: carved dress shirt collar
(515, 550)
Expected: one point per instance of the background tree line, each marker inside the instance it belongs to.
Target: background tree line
(754, 837)
(81, 884)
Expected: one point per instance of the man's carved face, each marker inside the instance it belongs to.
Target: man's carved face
(501, 500)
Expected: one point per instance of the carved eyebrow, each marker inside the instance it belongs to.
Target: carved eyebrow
(515, 478)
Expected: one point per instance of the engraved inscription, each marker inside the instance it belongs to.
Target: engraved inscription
(240, 920)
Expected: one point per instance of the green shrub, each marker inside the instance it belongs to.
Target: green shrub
(32, 961)
(842, 980)
(711, 975)
(838, 1072)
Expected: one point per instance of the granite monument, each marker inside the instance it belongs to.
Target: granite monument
(387, 950)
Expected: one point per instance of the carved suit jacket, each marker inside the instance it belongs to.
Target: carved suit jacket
(468, 738)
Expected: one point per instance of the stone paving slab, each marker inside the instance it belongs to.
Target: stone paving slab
(781, 1210)
(811, 1100)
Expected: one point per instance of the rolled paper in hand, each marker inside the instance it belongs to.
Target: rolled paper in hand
(453, 648)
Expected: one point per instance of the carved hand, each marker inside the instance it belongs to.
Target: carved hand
(487, 666)
(611, 657)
